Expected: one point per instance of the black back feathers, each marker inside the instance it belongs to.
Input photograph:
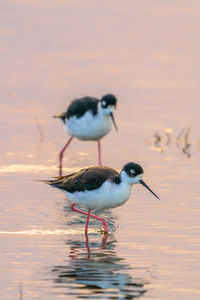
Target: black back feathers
(86, 179)
(79, 107)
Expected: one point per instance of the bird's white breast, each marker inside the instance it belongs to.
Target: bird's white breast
(89, 127)
(109, 195)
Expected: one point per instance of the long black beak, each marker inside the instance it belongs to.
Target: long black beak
(146, 186)
(112, 117)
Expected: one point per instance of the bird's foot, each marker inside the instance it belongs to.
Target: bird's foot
(102, 231)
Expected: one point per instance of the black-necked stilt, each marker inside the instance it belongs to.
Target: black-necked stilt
(88, 119)
(99, 188)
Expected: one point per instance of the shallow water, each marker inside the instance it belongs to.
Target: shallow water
(147, 54)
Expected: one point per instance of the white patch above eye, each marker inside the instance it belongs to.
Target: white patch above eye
(104, 103)
(132, 171)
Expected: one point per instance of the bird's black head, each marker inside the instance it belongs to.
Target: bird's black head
(132, 173)
(107, 100)
(133, 169)
(108, 105)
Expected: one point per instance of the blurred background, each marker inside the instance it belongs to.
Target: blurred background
(147, 54)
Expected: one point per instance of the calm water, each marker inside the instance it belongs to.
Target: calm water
(147, 54)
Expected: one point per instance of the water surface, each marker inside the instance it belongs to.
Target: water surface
(147, 54)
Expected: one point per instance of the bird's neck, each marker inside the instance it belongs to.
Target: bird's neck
(125, 179)
(101, 111)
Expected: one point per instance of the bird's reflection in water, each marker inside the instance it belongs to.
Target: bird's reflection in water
(94, 270)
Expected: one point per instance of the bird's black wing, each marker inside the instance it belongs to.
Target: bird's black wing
(78, 107)
(86, 179)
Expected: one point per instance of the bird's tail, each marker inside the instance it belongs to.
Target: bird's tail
(57, 116)
(61, 116)
(46, 181)
(57, 182)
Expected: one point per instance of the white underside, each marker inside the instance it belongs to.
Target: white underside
(89, 127)
(109, 195)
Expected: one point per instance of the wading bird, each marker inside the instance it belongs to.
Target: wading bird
(99, 188)
(88, 119)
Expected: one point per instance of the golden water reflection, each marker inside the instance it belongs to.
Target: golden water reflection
(33, 169)
(44, 232)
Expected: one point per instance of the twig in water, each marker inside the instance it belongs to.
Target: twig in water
(20, 291)
(184, 144)
(40, 129)
(168, 132)
(178, 139)
(157, 141)
(198, 144)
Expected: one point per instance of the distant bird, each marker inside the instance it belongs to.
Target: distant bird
(88, 119)
(99, 188)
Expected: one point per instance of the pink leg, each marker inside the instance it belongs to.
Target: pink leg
(99, 153)
(61, 153)
(104, 240)
(104, 223)
(88, 217)
(87, 244)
